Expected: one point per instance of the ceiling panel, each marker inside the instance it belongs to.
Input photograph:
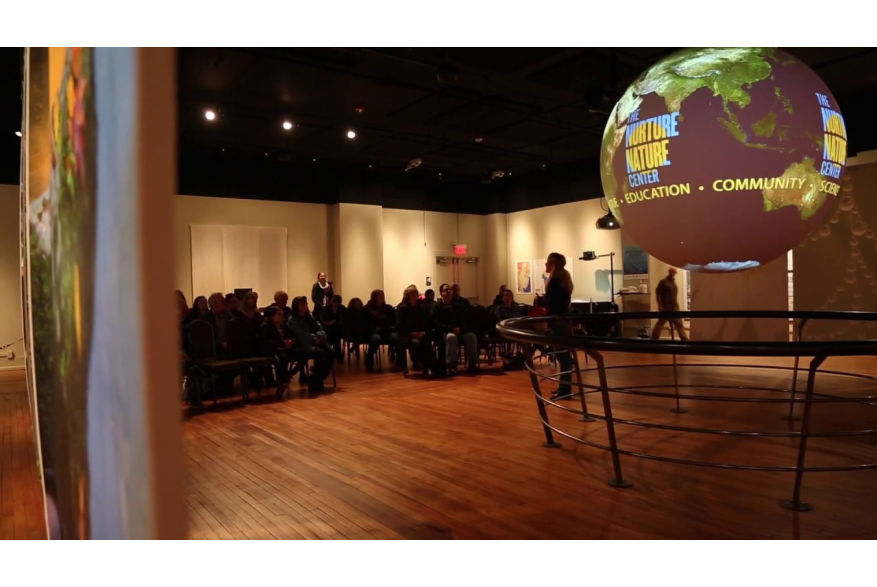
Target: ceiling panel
(505, 60)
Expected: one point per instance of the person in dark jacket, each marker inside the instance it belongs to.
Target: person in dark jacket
(218, 317)
(281, 299)
(250, 309)
(199, 309)
(508, 308)
(233, 306)
(413, 323)
(497, 301)
(310, 341)
(273, 343)
(449, 327)
(459, 300)
(428, 300)
(382, 328)
(321, 294)
(558, 297)
(332, 320)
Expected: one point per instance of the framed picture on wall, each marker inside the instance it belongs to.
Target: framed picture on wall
(635, 263)
(523, 277)
(541, 277)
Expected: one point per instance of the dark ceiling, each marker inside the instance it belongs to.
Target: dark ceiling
(530, 107)
(10, 114)
(539, 114)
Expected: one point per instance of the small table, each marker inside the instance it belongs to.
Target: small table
(635, 302)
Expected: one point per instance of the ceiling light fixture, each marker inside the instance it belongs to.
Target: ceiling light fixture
(351, 134)
(209, 114)
(287, 125)
(18, 133)
(478, 139)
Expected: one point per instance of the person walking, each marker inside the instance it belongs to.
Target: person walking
(667, 295)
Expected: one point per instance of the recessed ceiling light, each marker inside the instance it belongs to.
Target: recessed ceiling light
(369, 166)
(18, 133)
(351, 134)
(287, 125)
(209, 114)
(266, 154)
(478, 139)
(315, 160)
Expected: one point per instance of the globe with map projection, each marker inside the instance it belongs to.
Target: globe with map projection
(723, 159)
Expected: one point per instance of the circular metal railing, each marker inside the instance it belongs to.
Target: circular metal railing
(523, 331)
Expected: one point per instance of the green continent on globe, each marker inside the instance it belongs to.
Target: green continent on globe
(727, 72)
(808, 198)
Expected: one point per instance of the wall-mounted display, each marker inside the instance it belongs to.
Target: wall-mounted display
(523, 277)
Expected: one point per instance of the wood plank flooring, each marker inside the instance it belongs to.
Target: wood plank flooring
(385, 457)
(389, 458)
(21, 499)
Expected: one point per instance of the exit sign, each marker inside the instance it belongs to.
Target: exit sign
(459, 249)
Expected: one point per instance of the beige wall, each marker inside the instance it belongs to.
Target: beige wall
(362, 247)
(496, 256)
(10, 277)
(413, 239)
(568, 229)
(307, 236)
(361, 253)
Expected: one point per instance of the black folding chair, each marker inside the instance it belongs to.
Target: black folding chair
(241, 334)
(203, 347)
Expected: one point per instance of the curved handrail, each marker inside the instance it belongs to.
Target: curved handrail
(520, 330)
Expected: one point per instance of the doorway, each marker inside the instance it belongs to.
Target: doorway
(460, 270)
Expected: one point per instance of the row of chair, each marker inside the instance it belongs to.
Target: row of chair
(480, 319)
(244, 357)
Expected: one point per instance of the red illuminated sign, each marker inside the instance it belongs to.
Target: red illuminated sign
(459, 249)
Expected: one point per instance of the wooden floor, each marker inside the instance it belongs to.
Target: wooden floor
(385, 457)
(21, 498)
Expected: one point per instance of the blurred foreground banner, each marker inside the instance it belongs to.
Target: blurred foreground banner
(99, 180)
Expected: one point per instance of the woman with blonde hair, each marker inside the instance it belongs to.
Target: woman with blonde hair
(558, 297)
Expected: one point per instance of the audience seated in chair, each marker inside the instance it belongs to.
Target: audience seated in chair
(449, 328)
(273, 343)
(281, 299)
(198, 310)
(218, 317)
(509, 308)
(459, 300)
(250, 309)
(497, 301)
(383, 326)
(428, 300)
(310, 341)
(232, 305)
(413, 323)
(332, 320)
